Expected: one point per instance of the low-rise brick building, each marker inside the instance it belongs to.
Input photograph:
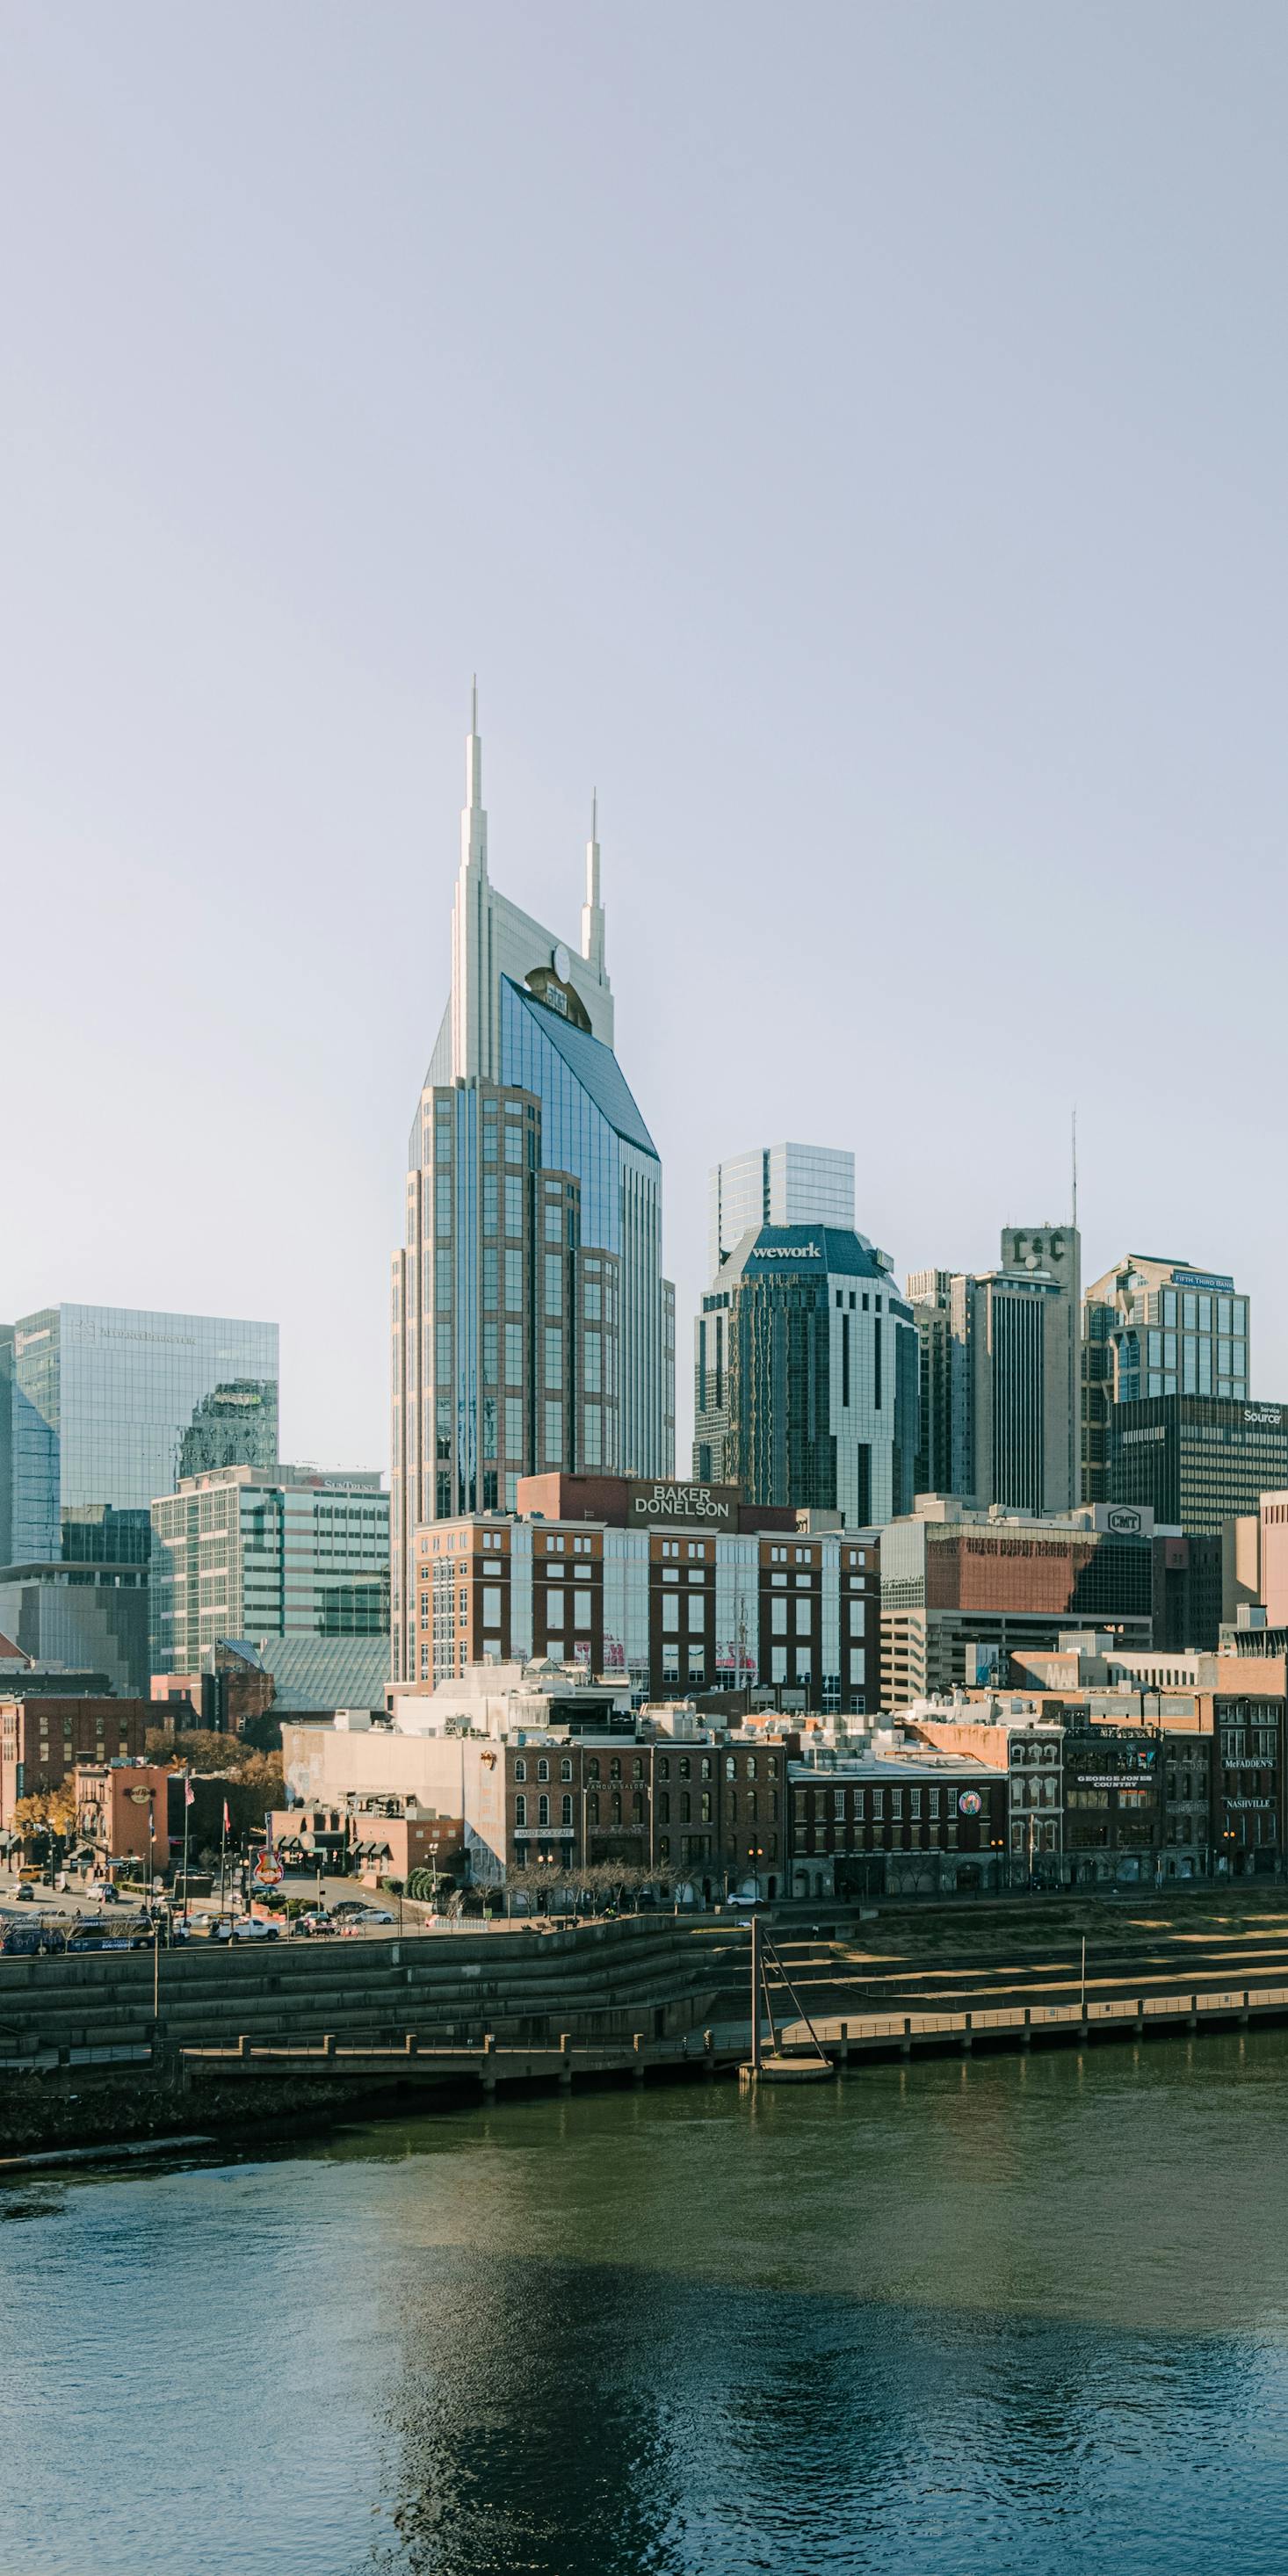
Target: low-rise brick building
(123, 1813)
(556, 1772)
(43, 1738)
(893, 1819)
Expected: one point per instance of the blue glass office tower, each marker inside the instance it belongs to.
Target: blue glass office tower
(532, 1328)
(107, 1407)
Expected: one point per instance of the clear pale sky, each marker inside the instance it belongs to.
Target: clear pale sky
(853, 438)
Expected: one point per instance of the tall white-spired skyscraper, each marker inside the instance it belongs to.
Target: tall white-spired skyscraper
(532, 1327)
(777, 1185)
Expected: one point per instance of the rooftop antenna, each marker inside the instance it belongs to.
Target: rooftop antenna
(1075, 1171)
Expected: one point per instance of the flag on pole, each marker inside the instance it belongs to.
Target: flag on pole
(227, 1819)
(189, 1793)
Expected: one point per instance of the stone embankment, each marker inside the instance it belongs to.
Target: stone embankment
(84, 2056)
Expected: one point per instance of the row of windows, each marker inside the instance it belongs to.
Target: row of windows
(683, 1764)
(818, 1804)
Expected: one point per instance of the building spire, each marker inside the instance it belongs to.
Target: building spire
(473, 818)
(592, 911)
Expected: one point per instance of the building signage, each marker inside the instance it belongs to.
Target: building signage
(1240, 1804)
(661, 1501)
(1129, 1760)
(970, 1803)
(1108, 1780)
(1121, 1519)
(1200, 1279)
(788, 1252)
(1263, 1416)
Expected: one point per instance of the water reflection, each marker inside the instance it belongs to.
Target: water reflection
(963, 2319)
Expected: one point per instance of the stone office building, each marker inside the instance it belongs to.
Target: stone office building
(1197, 1461)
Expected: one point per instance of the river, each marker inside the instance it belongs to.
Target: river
(996, 2319)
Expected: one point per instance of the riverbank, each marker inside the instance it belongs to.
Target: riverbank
(253, 2043)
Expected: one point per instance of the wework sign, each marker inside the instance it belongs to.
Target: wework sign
(658, 1500)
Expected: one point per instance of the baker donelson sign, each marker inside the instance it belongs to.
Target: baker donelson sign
(658, 1501)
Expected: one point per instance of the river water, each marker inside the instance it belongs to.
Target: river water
(955, 2318)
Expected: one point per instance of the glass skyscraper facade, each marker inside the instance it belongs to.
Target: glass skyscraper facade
(806, 1378)
(108, 1406)
(777, 1185)
(531, 1326)
(240, 1554)
(1154, 1327)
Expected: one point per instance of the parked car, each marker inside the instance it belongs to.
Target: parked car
(374, 1914)
(315, 1922)
(247, 1928)
(347, 1905)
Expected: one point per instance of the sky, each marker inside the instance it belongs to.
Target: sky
(851, 438)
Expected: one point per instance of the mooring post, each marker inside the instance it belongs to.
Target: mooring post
(1243, 2017)
(708, 2054)
(967, 2038)
(409, 2043)
(328, 2043)
(905, 2044)
(1194, 2012)
(1026, 2035)
(845, 2043)
(487, 2069)
(243, 2046)
(1140, 2016)
(637, 2043)
(565, 2061)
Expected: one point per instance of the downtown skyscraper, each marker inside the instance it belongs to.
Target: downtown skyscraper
(532, 1328)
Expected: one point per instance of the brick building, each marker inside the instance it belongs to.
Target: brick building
(689, 1805)
(892, 1819)
(961, 1590)
(42, 1740)
(123, 1812)
(1152, 1783)
(671, 1588)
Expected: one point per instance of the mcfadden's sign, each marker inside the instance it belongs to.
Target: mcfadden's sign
(659, 1500)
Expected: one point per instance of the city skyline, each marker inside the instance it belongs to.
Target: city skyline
(903, 705)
